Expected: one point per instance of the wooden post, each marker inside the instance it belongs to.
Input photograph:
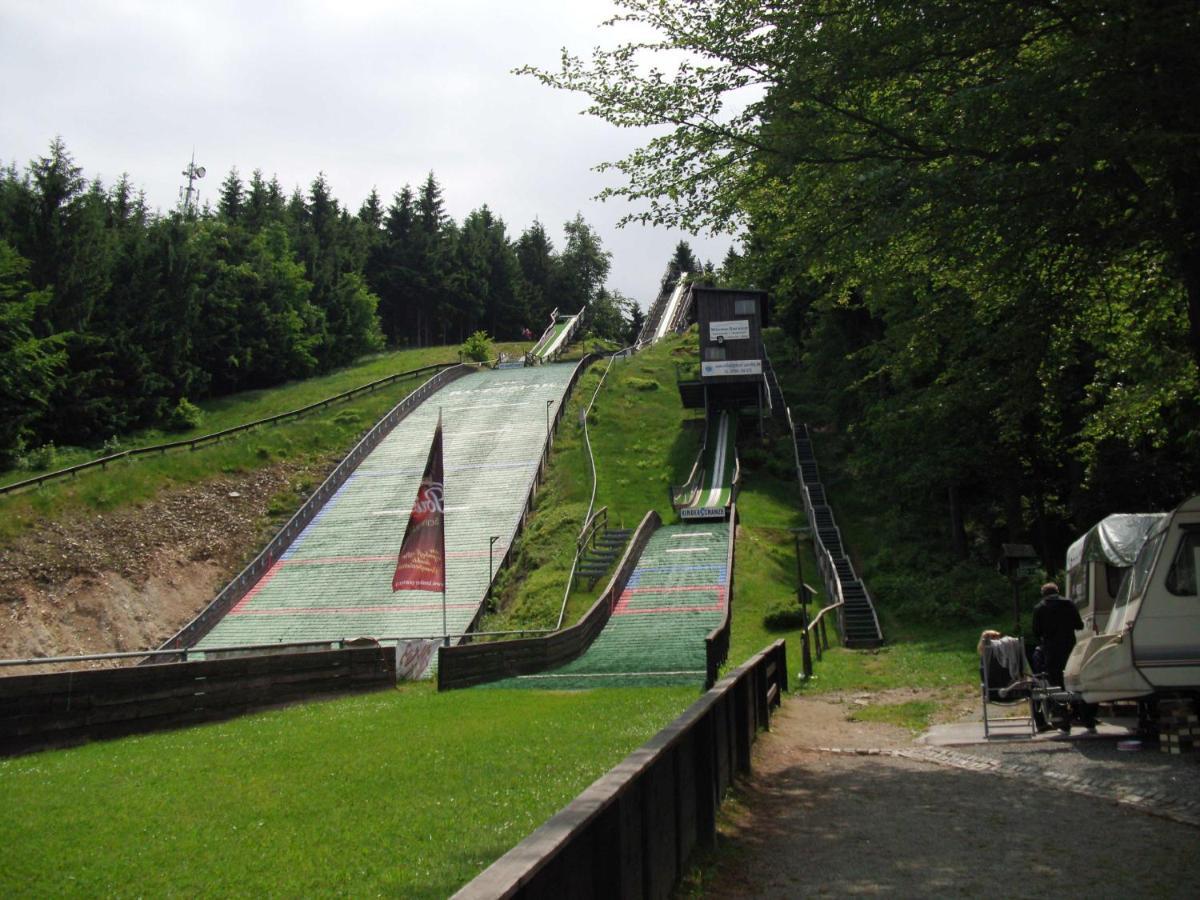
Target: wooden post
(806, 663)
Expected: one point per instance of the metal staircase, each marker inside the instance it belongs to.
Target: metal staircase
(857, 620)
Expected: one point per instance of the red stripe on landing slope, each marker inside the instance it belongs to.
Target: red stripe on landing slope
(622, 607)
(335, 560)
(717, 607)
(342, 610)
(672, 589)
(258, 586)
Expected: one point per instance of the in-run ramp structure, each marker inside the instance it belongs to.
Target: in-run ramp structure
(334, 579)
(557, 336)
(712, 486)
(668, 311)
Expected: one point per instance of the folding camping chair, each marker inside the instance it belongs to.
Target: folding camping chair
(1004, 682)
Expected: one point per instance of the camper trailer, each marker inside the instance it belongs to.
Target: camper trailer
(1098, 561)
(1149, 645)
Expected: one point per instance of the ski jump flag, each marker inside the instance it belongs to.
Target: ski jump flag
(421, 565)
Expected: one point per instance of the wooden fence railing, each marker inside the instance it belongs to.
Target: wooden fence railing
(469, 664)
(632, 832)
(201, 440)
(65, 708)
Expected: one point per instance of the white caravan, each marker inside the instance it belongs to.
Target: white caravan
(1149, 645)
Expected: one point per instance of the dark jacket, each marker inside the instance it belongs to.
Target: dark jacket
(1055, 621)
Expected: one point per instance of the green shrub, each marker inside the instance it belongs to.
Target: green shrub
(43, 457)
(641, 384)
(184, 417)
(959, 593)
(783, 615)
(477, 347)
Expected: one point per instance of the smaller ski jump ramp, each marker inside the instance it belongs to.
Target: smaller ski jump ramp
(710, 489)
(650, 627)
(557, 336)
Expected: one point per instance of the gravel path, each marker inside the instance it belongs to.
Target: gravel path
(836, 807)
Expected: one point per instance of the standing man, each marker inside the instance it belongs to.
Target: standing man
(1055, 621)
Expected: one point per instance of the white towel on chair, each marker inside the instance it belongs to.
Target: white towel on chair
(1007, 650)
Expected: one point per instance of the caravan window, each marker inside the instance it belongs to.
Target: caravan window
(1181, 579)
(1135, 583)
(1112, 577)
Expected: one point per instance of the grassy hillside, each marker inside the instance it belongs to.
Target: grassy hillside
(326, 433)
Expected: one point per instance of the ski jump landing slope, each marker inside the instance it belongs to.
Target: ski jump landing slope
(655, 636)
(335, 581)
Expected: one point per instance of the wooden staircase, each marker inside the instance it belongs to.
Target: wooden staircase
(598, 556)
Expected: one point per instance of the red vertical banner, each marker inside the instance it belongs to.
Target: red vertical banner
(421, 565)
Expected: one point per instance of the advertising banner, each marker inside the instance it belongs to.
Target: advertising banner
(413, 659)
(421, 565)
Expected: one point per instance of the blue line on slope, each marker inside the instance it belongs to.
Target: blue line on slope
(295, 545)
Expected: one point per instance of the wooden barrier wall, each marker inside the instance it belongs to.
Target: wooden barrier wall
(716, 644)
(470, 664)
(65, 708)
(632, 832)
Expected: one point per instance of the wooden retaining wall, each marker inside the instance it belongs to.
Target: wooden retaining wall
(632, 832)
(65, 708)
(470, 664)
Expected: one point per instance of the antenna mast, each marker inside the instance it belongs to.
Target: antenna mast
(192, 173)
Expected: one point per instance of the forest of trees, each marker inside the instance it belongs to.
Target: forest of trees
(113, 317)
(980, 225)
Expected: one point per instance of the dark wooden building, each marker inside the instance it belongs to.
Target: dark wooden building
(731, 350)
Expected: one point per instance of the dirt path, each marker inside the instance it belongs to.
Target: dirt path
(128, 579)
(812, 822)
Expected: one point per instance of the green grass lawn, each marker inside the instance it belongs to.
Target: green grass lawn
(406, 792)
(328, 433)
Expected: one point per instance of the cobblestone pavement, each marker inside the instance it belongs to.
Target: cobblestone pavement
(837, 807)
(1148, 780)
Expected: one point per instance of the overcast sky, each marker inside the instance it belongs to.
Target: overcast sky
(374, 93)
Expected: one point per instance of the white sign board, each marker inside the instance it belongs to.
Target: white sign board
(735, 330)
(731, 367)
(702, 512)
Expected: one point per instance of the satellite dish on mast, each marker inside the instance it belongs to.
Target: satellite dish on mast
(192, 173)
